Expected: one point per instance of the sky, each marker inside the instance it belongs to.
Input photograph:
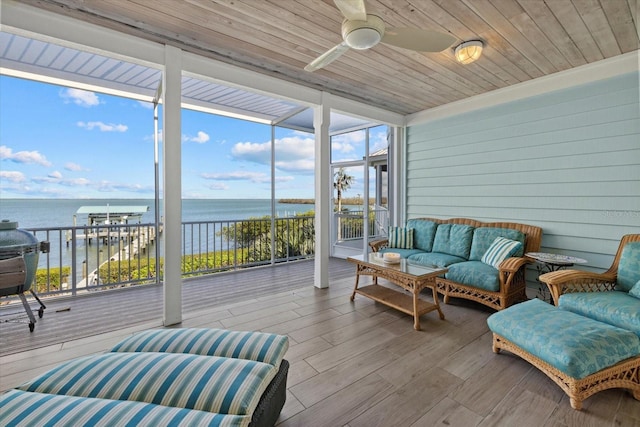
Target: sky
(58, 142)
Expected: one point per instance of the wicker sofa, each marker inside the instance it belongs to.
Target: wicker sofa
(462, 246)
(181, 377)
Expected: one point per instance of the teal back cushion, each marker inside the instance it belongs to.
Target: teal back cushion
(483, 237)
(424, 231)
(453, 239)
(629, 267)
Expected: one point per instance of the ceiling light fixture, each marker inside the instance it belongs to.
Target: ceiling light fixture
(467, 52)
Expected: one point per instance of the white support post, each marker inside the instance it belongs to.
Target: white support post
(172, 188)
(321, 119)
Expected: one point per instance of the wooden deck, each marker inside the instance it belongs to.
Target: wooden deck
(352, 364)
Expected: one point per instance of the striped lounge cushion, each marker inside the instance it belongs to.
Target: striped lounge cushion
(500, 249)
(36, 409)
(257, 346)
(400, 238)
(206, 383)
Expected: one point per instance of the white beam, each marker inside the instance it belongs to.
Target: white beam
(172, 185)
(321, 121)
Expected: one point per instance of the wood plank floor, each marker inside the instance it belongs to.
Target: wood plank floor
(352, 363)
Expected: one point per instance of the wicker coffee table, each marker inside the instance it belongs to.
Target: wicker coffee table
(410, 277)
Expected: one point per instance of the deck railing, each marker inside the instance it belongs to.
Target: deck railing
(350, 224)
(86, 258)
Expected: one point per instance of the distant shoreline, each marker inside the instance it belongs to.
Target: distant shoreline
(345, 201)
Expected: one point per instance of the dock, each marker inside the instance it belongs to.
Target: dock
(113, 226)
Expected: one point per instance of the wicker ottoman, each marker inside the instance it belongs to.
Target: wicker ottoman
(583, 356)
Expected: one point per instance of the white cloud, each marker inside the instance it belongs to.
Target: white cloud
(13, 176)
(145, 104)
(200, 138)
(80, 97)
(294, 153)
(74, 167)
(55, 175)
(7, 153)
(255, 177)
(218, 186)
(103, 127)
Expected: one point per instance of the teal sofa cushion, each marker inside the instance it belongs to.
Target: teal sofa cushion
(424, 231)
(629, 267)
(437, 259)
(574, 344)
(483, 237)
(476, 274)
(404, 253)
(613, 307)
(453, 239)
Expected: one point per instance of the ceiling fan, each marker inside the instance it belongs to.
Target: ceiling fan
(363, 31)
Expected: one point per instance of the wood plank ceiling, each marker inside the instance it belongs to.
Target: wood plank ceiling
(524, 40)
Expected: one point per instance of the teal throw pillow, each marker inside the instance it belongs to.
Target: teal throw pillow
(500, 250)
(635, 291)
(401, 238)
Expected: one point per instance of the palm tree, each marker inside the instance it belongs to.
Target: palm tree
(341, 183)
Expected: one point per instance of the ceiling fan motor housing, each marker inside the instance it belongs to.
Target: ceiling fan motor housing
(362, 35)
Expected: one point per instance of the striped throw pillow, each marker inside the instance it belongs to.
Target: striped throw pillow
(500, 250)
(401, 238)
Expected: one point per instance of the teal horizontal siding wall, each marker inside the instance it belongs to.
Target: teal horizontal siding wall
(567, 161)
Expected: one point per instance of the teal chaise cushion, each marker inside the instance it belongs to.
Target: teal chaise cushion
(22, 408)
(573, 344)
(248, 345)
(629, 267)
(613, 307)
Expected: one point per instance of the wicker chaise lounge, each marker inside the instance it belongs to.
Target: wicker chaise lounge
(591, 341)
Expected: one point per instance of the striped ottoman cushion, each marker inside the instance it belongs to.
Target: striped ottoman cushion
(37, 409)
(206, 383)
(257, 346)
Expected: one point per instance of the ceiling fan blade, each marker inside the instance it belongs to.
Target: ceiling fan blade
(416, 39)
(327, 57)
(353, 10)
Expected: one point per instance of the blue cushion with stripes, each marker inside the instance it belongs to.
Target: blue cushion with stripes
(500, 249)
(206, 383)
(36, 409)
(400, 237)
(257, 346)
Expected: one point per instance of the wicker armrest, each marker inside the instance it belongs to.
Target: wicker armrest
(513, 264)
(567, 281)
(376, 245)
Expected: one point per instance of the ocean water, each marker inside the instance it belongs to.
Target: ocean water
(52, 213)
(38, 213)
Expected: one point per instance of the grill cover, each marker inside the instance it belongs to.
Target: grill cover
(13, 243)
